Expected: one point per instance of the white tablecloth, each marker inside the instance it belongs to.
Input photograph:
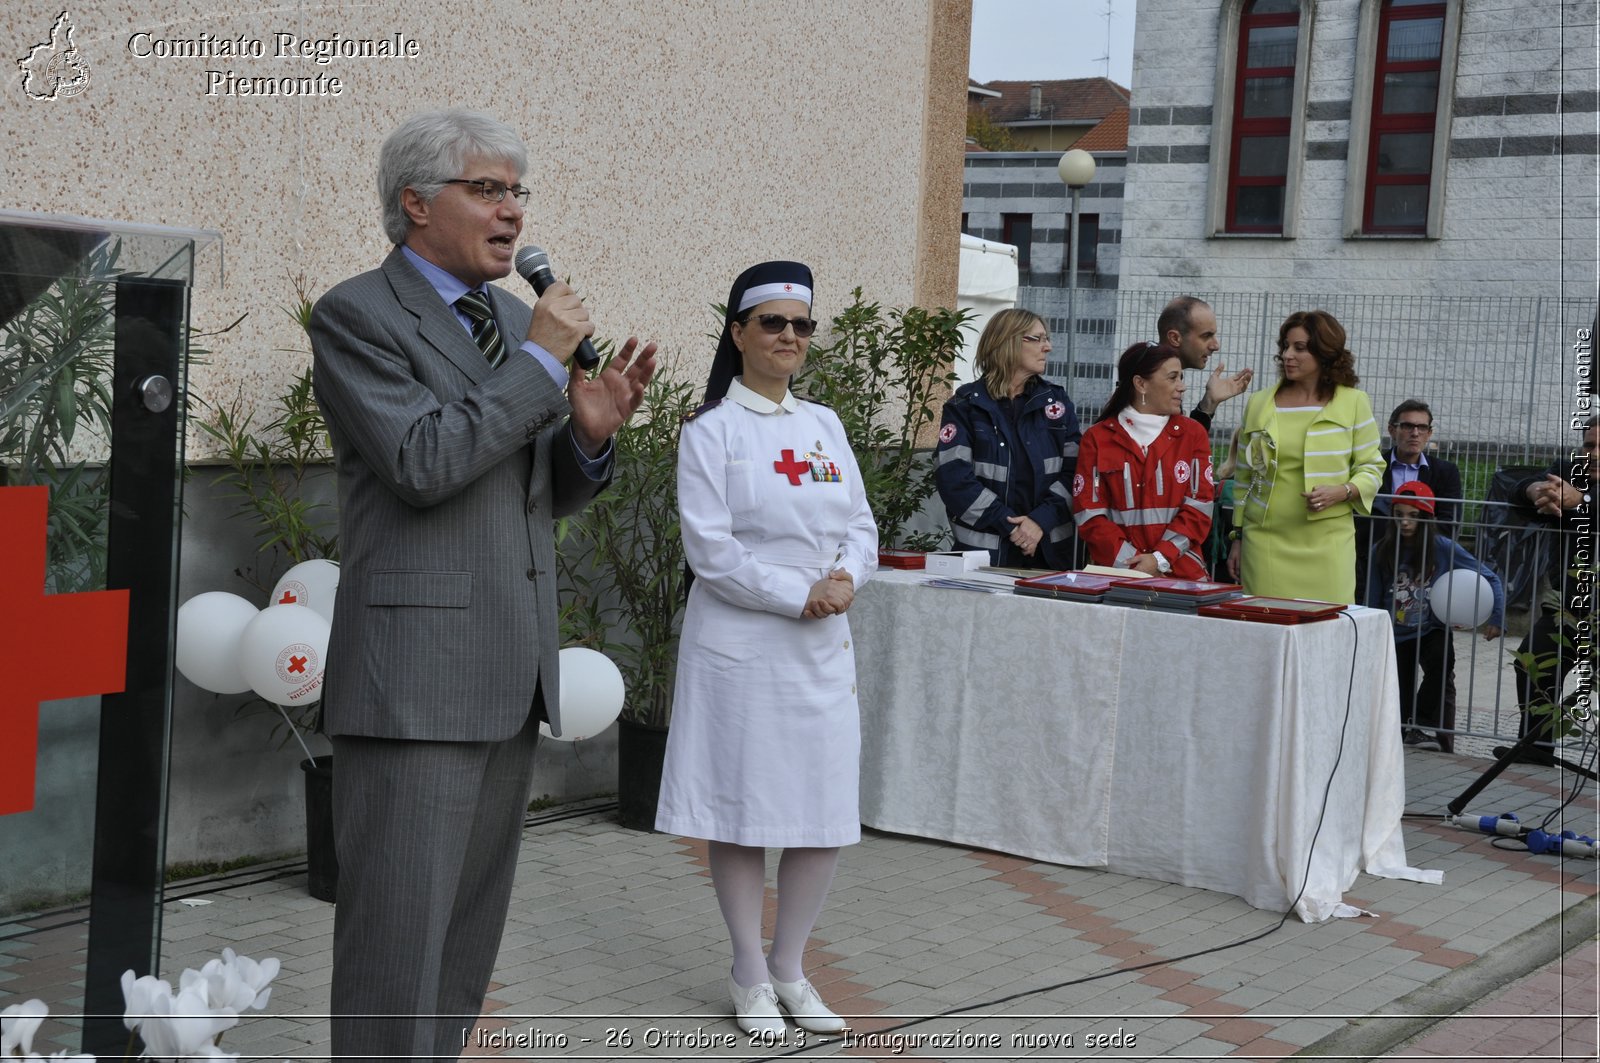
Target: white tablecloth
(1181, 748)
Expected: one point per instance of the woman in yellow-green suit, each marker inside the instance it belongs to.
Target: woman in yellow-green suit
(1308, 461)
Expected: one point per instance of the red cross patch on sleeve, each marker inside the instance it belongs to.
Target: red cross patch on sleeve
(1055, 411)
(947, 433)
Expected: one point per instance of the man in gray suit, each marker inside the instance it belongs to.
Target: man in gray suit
(455, 451)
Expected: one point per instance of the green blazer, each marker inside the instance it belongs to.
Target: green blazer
(1341, 447)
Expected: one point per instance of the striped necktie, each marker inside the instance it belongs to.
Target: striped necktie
(484, 333)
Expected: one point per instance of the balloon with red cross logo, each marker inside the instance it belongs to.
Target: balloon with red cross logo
(313, 584)
(206, 651)
(282, 653)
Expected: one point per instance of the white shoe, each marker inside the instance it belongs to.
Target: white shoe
(756, 1009)
(800, 999)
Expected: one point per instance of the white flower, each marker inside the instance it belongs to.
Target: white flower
(185, 1025)
(140, 997)
(258, 976)
(220, 986)
(18, 1024)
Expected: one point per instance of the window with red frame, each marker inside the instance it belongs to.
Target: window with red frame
(1405, 100)
(1258, 166)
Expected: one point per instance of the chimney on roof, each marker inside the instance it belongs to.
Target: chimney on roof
(1035, 100)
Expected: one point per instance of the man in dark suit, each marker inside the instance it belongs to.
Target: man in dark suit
(1561, 638)
(457, 443)
(1410, 431)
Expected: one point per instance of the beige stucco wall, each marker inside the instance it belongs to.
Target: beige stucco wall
(674, 142)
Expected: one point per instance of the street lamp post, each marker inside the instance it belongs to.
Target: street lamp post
(1076, 169)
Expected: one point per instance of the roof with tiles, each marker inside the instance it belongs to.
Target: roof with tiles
(1110, 135)
(1078, 100)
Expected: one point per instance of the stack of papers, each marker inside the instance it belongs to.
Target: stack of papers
(992, 582)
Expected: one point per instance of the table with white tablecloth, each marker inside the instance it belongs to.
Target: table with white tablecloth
(1203, 751)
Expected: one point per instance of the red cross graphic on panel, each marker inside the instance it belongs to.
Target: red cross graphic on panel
(791, 468)
(63, 645)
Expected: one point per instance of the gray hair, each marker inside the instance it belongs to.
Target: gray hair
(427, 150)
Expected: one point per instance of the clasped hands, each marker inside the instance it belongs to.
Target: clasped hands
(830, 595)
(1026, 534)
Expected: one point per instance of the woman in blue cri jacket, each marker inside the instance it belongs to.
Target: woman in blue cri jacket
(1008, 446)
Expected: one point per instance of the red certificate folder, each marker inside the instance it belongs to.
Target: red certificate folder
(902, 558)
(1273, 610)
(1073, 586)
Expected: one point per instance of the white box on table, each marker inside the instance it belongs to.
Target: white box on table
(955, 562)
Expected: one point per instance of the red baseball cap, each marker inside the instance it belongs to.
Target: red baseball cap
(1415, 493)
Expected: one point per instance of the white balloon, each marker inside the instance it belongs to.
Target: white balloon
(1461, 598)
(282, 653)
(591, 694)
(313, 584)
(209, 626)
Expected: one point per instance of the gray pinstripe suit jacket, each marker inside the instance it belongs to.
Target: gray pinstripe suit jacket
(450, 477)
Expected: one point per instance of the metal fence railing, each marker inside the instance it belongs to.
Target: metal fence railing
(1480, 706)
(1498, 371)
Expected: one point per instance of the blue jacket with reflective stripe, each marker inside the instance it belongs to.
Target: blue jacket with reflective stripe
(978, 458)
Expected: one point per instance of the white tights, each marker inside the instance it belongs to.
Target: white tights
(739, 874)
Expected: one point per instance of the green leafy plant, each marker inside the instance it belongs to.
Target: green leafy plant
(985, 132)
(1574, 713)
(269, 465)
(268, 472)
(884, 375)
(622, 564)
(55, 391)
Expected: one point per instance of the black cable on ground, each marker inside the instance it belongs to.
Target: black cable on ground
(1282, 919)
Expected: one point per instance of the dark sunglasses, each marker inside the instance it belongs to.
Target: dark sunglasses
(776, 323)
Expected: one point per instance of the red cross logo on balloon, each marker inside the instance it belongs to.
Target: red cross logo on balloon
(70, 645)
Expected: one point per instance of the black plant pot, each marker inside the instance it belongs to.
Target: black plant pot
(641, 748)
(322, 863)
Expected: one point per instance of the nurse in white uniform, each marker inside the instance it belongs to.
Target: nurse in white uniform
(765, 737)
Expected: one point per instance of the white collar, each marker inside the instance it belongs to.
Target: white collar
(1142, 427)
(760, 403)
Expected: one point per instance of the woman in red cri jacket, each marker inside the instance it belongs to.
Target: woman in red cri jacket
(1143, 492)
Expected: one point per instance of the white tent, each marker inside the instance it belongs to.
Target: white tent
(987, 283)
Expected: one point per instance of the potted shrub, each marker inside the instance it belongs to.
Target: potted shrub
(279, 474)
(623, 586)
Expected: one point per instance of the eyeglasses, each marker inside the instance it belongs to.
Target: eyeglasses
(1043, 337)
(776, 323)
(1409, 426)
(493, 191)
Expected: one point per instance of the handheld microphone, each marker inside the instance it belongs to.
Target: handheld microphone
(534, 265)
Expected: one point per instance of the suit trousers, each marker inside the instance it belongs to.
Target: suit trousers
(1428, 706)
(427, 835)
